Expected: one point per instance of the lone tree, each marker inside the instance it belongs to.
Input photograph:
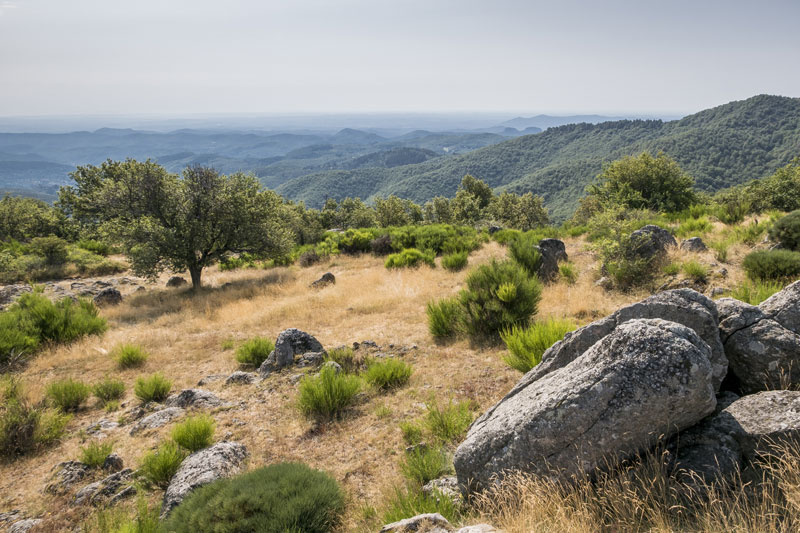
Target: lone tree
(164, 221)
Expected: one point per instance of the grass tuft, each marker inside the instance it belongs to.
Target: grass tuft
(68, 394)
(328, 394)
(385, 375)
(194, 433)
(129, 356)
(254, 352)
(154, 388)
(109, 390)
(158, 467)
(94, 454)
(527, 345)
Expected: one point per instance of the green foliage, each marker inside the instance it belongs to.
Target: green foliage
(25, 428)
(254, 352)
(447, 423)
(411, 501)
(524, 212)
(355, 241)
(720, 249)
(52, 249)
(328, 394)
(154, 388)
(755, 292)
(283, 497)
(506, 236)
(786, 231)
(455, 261)
(696, 271)
(23, 219)
(671, 269)
(94, 454)
(194, 433)
(67, 394)
(523, 250)
(116, 520)
(486, 314)
(780, 190)
(731, 206)
(568, 272)
(410, 257)
(445, 318)
(96, 247)
(425, 463)
(527, 345)
(412, 432)
(129, 355)
(158, 467)
(346, 357)
(388, 374)
(749, 234)
(694, 227)
(772, 265)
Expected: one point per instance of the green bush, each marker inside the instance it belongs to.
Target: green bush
(448, 423)
(755, 292)
(411, 501)
(524, 251)
(388, 374)
(67, 394)
(412, 432)
(254, 352)
(568, 272)
(108, 390)
(328, 394)
(355, 241)
(346, 358)
(52, 249)
(506, 236)
(749, 234)
(786, 231)
(696, 271)
(25, 428)
(455, 261)
(129, 355)
(425, 463)
(720, 249)
(488, 312)
(283, 497)
(96, 247)
(194, 433)
(154, 388)
(410, 257)
(694, 227)
(731, 209)
(527, 345)
(445, 318)
(94, 454)
(671, 269)
(158, 467)
(772, 265)
(116, 520)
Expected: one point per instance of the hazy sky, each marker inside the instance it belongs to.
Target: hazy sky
(229, 56)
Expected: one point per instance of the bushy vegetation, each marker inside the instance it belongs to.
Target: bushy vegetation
(455, 261)
(388, 374)
(410, 257)
(445, 318)
(786, 231)
(45, 258)
(523, 250)
(109, 390)
(116, 520)
(254, 352)
(447, 423)
(694, 227)
(129, 355)
(568, 272)
(25, 428)
(695, 270)
(526, 345)
(772, 265)
(755, 292)
(154, 388)
(411, 501)
(328, 394)
(94, 454)
(194, 433)
(68, 394)
(424, 463)
(158, 467)
(280, 497)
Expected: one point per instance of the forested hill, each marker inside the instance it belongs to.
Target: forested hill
(720, 147)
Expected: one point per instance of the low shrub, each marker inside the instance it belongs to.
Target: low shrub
(309, 258)
(194, 433)
(388, 374)
(755, 292)
(410, 258)
(108, 390)
(412, 432)
(568, 272)
(25, 428)
(116, 520)
(786, 231)
(158, 467)
(731, 209)
(96, 247)
(772, 265)
(488, 310)
(154, 388)
(355, 241)
(696, 271)
(455, 261)
(68, 394)
(381, 245)
(94, 454)
(52, 249)
(424, 463)
(694, 227)
(749, 234)
(448, 423)
(411, 501)
(625, 266)
(524, 251)
(283, 497)
(527, 345)
(129, 356)
(445, 318)
(671, 269)
(506, 236)
(327, 394)
(720, 249)
(254, 352)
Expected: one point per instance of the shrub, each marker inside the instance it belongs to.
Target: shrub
(568, 272)
(129, 355)
(445, 318)
(52, 249)
(67, 394)
(448, 423)
(254, 352)
(720, 249)
(381, 245)
(109, 390)
(23, 428)
(786, 231)
(158, 467)
(772, 265)
(96, 247)
(412, 432)
(410, 257)
(283, 497)
(116, 520)
(696, 270)
(486, 310)
(154, 388)
(755, 292)
(327, 394)
(388, 374)
(194, 433)
(694, 227)
(527, 345)
(671, 269)
(425, 463)
(411, 501)
(749, 234)
(731, 209)
(506, 236)
(355, 241)
(455, 261)
(523, 250)
(94, 454)
(306, 259)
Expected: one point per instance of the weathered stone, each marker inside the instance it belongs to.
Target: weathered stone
(764, 420)
(65, 476)
(158, 419)
(326, 279)
(605, 283)
(479, 528)
(221, 460)
(290, 342)
(429, 523)
(241, 378)
(695, 244)
(196, 398)
(108, 296)
(176, 281)
(651, 241)
(113, 463)
(10, 293)
(646, 379)
(552, 251)
(23, 526)
(446, 487)
(784, 307)
(333, 365)
(104, 490)
(494, 229)
(311, 359)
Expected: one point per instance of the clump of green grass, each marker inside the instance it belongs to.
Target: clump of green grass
(755, 292)
(696, 271)
(383, 411)
(448, 423)
(694, 227)
(154, 388)
(527, 345)
(109, 390)
(227, 344)
(410, 258)
(671, 269)
(720, 249)
(25, 428)
(129, 356)
(385, 375)
(524, 252)
(455, 261)
(772, 265)
(411, 501)
(444, 318)
(328, 394)
(568, 272)
(94, 454)
(111, 406)
(412, 432)
(194, 433)
(425, 463)
(254, 352)
(158, 467)
(68, 394)
(116, 520)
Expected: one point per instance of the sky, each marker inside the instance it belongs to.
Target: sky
(182, 57)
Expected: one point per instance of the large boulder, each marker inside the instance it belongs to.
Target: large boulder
(651, 241)
(764, 420)
(552, 251)
(221, 460)
(694, 244)
(290, 342)
(683, 306)
(107, 296)
(646, 379)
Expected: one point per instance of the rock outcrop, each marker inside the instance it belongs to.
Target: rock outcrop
(107, 296)
(326, 279)
(290, 342)
(194, 398)
(176, 281)
(158, 419)
(552, 251)
(109, 490)
(695, 244)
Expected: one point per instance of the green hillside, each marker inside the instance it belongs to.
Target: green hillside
(720, 147)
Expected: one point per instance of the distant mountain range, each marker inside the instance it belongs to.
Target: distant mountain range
(720, 147)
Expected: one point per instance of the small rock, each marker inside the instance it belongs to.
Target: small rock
(337, 368)
(157, 419)
(717, 291)
(113, 463)
(494, 229)
(311, 359)
(176, 281)
(67, 474)
(109, 296)
(106, 489)
(552, 251)
(430, 522)
(240, 378)
(479, 528)
(695, 244)
(23, 526)
(444, 486)
(651, 241)
(605, 283)
(211, 379)
(326, 279)
(197, 398)
(295, 378)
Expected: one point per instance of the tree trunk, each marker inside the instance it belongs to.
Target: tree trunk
(196, 272)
